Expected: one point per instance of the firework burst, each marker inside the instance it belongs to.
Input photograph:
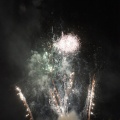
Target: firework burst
(56, 71)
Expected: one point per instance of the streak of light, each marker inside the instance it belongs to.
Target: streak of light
(23, 99)
(91, 97)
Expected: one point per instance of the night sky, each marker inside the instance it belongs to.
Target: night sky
(26, 24)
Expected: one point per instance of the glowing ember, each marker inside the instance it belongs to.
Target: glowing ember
(67, 43)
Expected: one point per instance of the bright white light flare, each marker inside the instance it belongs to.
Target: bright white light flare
(67, 43)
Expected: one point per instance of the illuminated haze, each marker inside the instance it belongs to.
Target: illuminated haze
(71, 116)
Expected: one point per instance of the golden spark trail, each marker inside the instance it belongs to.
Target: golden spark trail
(91, 96)
(23, 99)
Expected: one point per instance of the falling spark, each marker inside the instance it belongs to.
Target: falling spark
(23, 99)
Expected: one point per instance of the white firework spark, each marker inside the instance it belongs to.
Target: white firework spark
(23, 99)
(67, 43)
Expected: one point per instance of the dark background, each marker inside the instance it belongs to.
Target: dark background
(24, 23)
